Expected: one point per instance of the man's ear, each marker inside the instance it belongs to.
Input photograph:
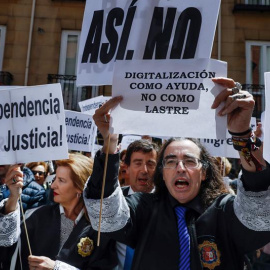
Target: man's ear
(204, 174)
(204, 171)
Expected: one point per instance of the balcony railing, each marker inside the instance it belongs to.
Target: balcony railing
(71, 93)
(251, 5)
(6, 78)
(68, 0)
(258, 92)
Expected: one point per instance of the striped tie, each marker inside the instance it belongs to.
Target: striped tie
(184, 238)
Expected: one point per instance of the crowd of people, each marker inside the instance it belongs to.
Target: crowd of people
(172, 206)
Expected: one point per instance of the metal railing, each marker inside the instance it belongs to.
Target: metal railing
(71, 93)
(68, 0)
(251, 5)
(6, 78)
(258, 92)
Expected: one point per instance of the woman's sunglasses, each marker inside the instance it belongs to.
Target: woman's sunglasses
(40, 173)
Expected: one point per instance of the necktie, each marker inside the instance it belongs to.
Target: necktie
(184, 238)
(128, 258)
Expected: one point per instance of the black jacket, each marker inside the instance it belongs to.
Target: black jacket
(44, 235)
(218, 239)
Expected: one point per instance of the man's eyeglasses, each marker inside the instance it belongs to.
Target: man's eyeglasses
(40, 173)
(188, 163)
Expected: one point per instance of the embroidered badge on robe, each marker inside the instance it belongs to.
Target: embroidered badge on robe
(209, 254)
(85, 247)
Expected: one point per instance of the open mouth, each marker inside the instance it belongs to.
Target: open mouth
(143, 181)
(181, 184)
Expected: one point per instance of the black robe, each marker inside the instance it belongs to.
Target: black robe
(43, 228)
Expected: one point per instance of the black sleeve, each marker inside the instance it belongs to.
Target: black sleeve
(94, 185)
(256, 181)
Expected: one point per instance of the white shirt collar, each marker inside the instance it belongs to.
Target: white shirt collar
(62, 212)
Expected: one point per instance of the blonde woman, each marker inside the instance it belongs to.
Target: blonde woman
(61, 235)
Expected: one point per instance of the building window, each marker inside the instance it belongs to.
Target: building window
(2, 44)
(257, 2)
(258, 62)
(69, 52)
(67, 66)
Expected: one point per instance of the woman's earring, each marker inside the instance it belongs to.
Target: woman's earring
(79, 195)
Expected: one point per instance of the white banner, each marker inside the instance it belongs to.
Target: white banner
(89, 106)
(127, 140)
(266, 128)
(136, 30)
(79, 128)
(224, 148)
(32, 124)
(168, 98)
(95, 148)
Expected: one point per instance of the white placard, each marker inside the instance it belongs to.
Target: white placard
(79, 129)
(129, 30)
(263, 125)
(168, 98)
(95, 148)
(32, 124)
(266, 128)
(89, 106)
(127, 140)
(224, 147)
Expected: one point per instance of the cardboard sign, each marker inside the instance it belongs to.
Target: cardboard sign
(142, 30)
(32, 124)
(168, 98)
(79, 129)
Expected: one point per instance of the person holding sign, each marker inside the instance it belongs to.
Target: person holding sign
(61, 235)
(191, 221)
(9, 208)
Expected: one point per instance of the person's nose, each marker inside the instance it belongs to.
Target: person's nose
(144, 168)
(180, 166)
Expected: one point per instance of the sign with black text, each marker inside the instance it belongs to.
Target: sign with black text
(224, 147)
(168, 98)
(32, 124)
(142, 30)
(79, 129)
(90, 105)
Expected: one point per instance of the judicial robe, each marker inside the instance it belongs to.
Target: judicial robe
(44, 234)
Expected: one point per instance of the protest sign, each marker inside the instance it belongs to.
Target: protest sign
(89, 106)
(95, 148)
(79, 129)
(32, 124)
(266, 128)
(224, 147)
(127, 140)
(168, 98)
(263, 125)
(142, 30)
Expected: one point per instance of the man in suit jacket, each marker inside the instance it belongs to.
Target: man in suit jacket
(140, 160)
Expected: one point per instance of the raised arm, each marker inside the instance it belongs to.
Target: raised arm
(251, 204)
(115, 210)
(238, 108)
(10, 213)
(102, 120)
